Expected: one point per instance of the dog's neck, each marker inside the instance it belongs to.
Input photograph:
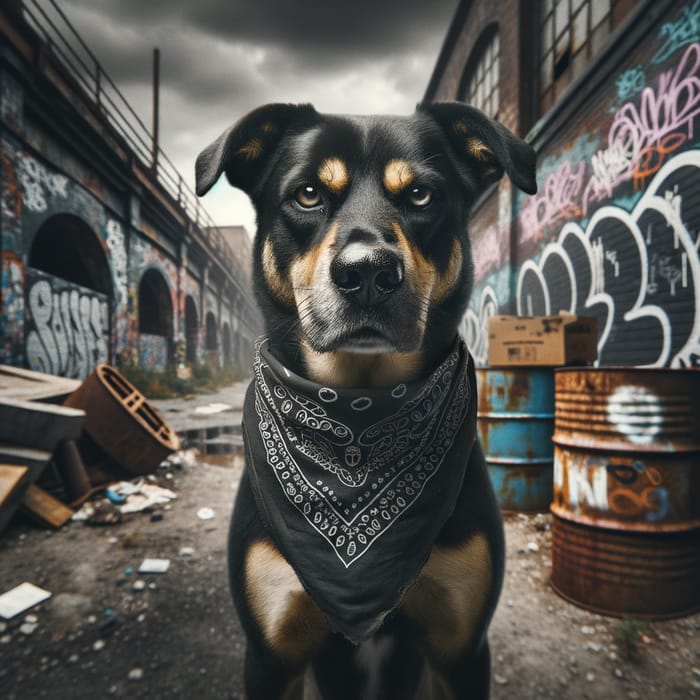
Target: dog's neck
(367, 370)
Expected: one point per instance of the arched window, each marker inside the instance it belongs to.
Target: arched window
(480, 82)
(191, 330)
(155, 305)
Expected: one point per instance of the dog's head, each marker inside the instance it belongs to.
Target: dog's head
(362, 251)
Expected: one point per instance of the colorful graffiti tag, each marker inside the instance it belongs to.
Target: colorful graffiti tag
(67, 326)
(616, 233)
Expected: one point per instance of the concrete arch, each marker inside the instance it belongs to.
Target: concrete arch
(227, 343)
(191, 330)
(155, 320)
(68, 293)
(65, 246)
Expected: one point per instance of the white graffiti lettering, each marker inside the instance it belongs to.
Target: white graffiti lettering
(588, 486)
(39, 185)
(69, 329)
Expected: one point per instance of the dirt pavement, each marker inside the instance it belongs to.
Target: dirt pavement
(176, 636)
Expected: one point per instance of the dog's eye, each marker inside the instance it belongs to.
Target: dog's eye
(420, 196)
(307, 197)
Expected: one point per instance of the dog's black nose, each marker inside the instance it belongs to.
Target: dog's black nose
(366, 274)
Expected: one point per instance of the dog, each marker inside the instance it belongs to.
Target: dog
(366, 558)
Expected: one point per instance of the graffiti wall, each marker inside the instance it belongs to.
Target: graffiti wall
(153, 352)
(614, 230)
(67, 326)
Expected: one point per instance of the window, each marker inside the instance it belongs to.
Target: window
(480, 82)
(572, 32)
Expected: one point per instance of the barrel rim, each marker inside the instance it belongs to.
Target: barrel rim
(609, 369)
(623, 526)
(622, 614)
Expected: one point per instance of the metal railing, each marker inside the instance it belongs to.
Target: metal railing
(64, 43)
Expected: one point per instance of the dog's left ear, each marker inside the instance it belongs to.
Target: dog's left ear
(483, 145)
(244, 150)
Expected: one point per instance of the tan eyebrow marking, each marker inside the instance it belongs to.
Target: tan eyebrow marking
(333, 173)
(397, 175)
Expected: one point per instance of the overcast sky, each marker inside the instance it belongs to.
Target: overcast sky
(221, 58)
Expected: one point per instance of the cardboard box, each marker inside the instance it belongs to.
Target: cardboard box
(563, 339)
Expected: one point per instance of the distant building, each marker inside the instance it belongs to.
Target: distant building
(608, 93)
(241, 245)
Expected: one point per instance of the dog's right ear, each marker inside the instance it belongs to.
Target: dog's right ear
(244, 149)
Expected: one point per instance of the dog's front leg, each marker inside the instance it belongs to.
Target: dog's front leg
(283, 626)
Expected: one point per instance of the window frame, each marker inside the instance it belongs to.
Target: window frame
(475, 63)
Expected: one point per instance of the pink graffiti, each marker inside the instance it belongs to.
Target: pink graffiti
(487, 253)
(556, 201)
(638, 134)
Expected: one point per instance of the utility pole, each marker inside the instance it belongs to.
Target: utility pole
(156, 108)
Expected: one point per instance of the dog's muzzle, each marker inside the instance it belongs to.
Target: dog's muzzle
(366, 275)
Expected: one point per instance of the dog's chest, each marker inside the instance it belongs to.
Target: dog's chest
(447, 602)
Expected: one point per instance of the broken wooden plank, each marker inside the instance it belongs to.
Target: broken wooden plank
(34, 461)
(18, 383)
(44, 508)
(38, 425)
(13, 480)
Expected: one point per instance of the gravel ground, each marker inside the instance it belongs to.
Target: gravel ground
(109, 632)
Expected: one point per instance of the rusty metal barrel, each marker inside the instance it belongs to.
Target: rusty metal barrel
(515, 420)
(626, 508)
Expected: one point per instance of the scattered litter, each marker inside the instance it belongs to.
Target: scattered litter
(31, 619)
(101, 513)
(587, 629)
(99, 645)
(92, 619)
(113, 540)
(152, 586)
(128, 571)
(212, 408)
(73, 659)
(186, 552)
(205, 513)
(3, 627)
(141, 618)
(156, 517)
(142, 495)
(500, 680)
(138, 585)
(590, 677)
(28, 627)
(5, 639)
(154, 566)
(136, 674)
(114, 497)
(21, 598)
(533, 547)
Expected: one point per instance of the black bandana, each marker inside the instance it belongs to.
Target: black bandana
(354, 485)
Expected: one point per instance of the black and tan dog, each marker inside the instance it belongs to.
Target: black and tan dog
(363, 271)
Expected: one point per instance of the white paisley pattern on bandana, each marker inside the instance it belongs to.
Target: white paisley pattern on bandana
(352, 463)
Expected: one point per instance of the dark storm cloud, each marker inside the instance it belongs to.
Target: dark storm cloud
(219, 59)
(339, 30)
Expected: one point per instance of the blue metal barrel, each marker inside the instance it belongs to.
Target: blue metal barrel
(516, 422)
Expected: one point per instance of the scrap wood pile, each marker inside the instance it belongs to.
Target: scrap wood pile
(93, 451)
